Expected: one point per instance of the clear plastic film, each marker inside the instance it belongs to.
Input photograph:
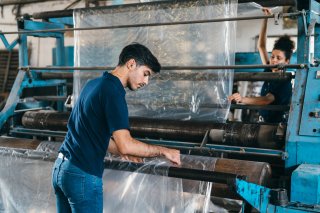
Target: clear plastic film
(174, 45)
(25, 181)
(151, 192)
(14, 95)
(25, 185)
(253, 7)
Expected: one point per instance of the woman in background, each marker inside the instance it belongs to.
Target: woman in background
(272, 92)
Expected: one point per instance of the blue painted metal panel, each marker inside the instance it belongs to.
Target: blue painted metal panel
(34, 25)
(310, 120)
(305, 184)
(64, 20)
(308, 151)
(47, 83)
(244, 58)
(291, 209)
(256, 195)
(259, 197)
(315, 11)
(68, 59)
(60, 54)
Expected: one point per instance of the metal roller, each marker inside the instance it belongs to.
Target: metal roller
(69, 13)
(223, 175)
(236, 134)
(255, 172)
(46, 119)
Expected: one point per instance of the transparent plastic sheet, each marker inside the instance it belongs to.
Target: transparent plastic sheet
(138, 192)
(25, 185)
(48, 146)
(253, 8)
(14, 97)
(25, 181)
(174, 45)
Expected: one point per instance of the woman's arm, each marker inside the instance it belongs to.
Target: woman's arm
(262, 100)
(262, 41)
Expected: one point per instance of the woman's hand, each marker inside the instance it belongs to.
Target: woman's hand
(266, 11)
(235, 97)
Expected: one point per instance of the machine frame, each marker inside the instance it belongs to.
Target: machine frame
(302, 140)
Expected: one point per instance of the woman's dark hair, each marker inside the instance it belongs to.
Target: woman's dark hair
(285, 44)
(141, 54)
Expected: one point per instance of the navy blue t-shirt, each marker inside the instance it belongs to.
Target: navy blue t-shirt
(100, 110)
(282, 92)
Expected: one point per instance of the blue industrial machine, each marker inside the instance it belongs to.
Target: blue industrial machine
(300, 136)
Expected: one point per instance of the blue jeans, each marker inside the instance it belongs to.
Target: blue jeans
(76, 190)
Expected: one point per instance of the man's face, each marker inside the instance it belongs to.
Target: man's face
(138, 76)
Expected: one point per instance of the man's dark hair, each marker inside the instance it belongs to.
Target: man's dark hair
(141, 54)
(285, 44)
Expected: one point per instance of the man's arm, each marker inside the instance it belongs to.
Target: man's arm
(262, 100)
(126, 145)
(112, 148)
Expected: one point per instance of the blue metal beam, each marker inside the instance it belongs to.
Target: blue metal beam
(65, 20)
(35, 25)
(6, 43)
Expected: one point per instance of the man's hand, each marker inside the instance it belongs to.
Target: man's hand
(132, 158)
(171, 154)
(235, 97)
(126, 145)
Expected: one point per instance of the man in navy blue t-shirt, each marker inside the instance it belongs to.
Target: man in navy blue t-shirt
(99, 122)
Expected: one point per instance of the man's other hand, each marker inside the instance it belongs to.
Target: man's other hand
(171, 154)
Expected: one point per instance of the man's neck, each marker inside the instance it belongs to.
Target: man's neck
(122, 74)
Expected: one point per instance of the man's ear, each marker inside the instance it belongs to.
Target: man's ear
(131, 64)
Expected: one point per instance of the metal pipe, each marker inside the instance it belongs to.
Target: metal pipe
(184, 173)
(261, 107)
(11, 2)
(213, 76)
(238, 76)
(69, 13)
(234, 134)
(250, 66)
(262, 76)
(152, 24)
(271, 3)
